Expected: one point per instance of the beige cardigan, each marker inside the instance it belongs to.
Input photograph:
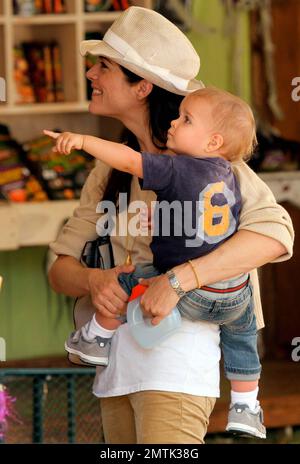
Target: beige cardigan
(260, 213)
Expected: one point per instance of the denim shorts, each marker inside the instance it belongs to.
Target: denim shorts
(219, 308)
(234, 313)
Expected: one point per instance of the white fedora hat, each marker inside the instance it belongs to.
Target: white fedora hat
(150, 46)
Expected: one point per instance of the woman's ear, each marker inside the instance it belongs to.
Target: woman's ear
(215, 142)
(143, 89)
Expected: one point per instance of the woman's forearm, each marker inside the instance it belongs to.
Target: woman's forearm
(243, 252)
(69, 277)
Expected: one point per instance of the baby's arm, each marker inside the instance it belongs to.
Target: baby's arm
(116, 155)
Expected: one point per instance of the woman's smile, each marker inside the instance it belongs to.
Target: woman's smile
(97, 92)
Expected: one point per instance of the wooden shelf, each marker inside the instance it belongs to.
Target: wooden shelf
(106, 16)
(44, 108)
(44, 19)
(32, 224)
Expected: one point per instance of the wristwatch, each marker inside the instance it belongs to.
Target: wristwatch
(175, 283)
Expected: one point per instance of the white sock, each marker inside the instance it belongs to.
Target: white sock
(249, 398)
(93, 329)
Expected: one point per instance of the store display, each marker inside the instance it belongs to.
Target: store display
(62, 176)
(38, 72)
(17, 183)
(91, 6)
(120, 4)
(33, 7)
(24, 88)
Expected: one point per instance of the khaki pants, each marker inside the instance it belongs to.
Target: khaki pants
(156, 417)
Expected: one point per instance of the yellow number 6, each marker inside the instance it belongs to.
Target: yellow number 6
(211, 212)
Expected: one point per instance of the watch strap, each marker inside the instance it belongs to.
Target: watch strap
(174, 282)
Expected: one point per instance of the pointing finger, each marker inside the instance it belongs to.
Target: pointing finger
(52, 134)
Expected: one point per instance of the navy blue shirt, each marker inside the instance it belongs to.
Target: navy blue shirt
(198, 207)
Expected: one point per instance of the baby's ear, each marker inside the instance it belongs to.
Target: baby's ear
(216, 141)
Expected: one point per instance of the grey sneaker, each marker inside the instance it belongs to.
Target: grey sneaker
(91, 351)
(75, 359)
(243, 421)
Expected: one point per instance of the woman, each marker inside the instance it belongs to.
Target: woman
(164, 395)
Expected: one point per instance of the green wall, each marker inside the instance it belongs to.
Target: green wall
(215, 49)
(33, 320)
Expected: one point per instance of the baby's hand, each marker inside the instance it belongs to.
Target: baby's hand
(66, 142)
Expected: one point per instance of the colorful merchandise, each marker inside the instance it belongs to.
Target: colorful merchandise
(16, 181)
(61, 176)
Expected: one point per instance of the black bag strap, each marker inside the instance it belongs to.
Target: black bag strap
(91, 254)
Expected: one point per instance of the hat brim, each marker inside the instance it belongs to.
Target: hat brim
(101, 48)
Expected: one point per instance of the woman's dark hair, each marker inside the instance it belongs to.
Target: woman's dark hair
(163, 108)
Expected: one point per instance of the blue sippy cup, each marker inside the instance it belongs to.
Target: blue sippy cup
(142, 330)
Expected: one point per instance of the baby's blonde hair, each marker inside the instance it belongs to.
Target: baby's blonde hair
(234, 120)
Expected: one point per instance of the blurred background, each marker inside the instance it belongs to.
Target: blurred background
(248, 47)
